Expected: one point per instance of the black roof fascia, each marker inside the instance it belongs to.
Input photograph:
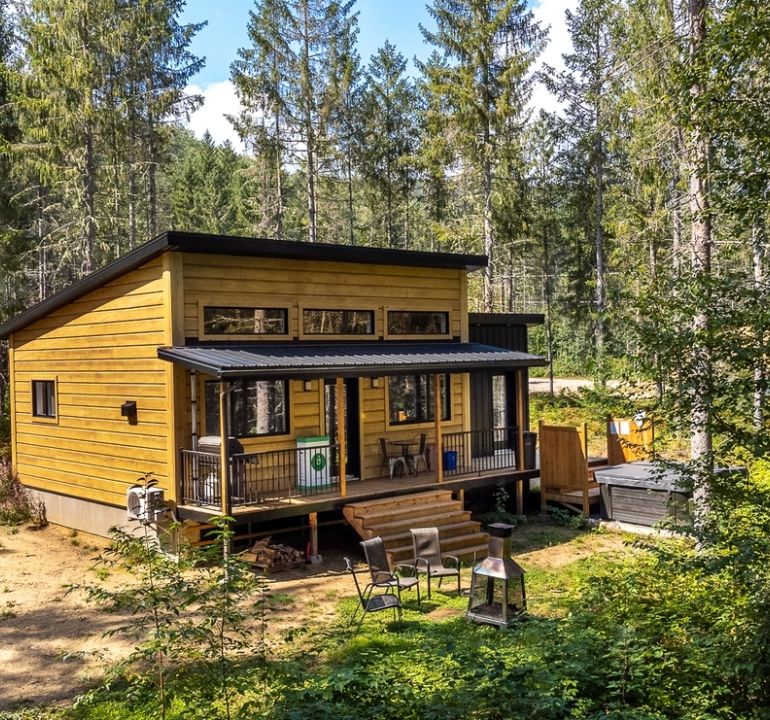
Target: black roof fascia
(238, 246)
(130, 261)
(289, 249)
(506, 319)
(353, 369)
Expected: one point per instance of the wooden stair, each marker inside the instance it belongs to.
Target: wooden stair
(391, 518)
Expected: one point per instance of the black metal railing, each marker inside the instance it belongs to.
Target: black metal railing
(259, 478)
(475, 451)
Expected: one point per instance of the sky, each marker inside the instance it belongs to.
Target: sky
(378, 20)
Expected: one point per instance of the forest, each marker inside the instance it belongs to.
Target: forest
(634, 219)
(654, 174)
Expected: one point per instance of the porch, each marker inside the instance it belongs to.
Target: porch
(281, 483)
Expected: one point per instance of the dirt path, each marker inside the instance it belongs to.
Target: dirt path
(52, 643)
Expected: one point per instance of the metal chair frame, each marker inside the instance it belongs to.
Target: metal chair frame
(428, 559)
(369, 603)
(392, 461)
(403, 577)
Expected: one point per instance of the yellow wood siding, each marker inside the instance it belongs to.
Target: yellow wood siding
(267, 282)
(270, 282)
(102, 351)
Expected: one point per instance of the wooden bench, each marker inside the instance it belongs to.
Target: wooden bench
(566, 475)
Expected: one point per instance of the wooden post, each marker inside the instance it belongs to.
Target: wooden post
(313, 522)
(341, 444)
(437, 420)
(224, 457)
(520, 415)
(224, 450)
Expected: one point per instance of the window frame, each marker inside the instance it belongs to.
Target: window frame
(339, 307)
(421, 421)
(205, 304)
(51, 382)
(412, 335)
(236, 431)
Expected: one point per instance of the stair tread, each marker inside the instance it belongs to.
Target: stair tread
(395, 513)
(405, 499)
(429, 520)
(467, 525)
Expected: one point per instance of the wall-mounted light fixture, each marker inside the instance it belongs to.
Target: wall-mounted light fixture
(308, 384)
(375, 382)
(128, 410)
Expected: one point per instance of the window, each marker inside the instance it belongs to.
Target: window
(417, 322)
(411, 398)
(499, 401)
(44, 398)
(337, 322)
(257, 407)
(244, 321)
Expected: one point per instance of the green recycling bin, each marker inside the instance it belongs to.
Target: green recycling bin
(313, 463)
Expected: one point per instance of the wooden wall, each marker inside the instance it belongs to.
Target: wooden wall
(270, 282)
(101, 350)
(267, 282)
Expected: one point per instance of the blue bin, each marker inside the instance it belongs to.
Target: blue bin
(450, 459)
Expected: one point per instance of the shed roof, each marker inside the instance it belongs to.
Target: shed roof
(339, 360)
(242, 247)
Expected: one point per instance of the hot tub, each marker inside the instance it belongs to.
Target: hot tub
(641, 493)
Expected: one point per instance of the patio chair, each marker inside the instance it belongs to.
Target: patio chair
(379, 567)
(370, 602)
(392, 460)
(428, 559)
(421, 454)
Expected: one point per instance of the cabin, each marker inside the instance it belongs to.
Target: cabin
(344, 378)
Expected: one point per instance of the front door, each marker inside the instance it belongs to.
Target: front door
(352, 423)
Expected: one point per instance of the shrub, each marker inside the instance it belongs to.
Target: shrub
(16, 505)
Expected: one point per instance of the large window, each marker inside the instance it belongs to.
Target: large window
(417, 322)
(411, 398)
(44, 398)
(337, 322)
(257, 407)
(244, 321)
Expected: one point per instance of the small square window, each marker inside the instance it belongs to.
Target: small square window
(44, 398)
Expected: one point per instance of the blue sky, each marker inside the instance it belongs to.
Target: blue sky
(378, 21)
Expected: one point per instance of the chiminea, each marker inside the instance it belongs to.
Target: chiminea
(497, 584)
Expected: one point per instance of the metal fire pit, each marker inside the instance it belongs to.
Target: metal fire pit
(497, 584)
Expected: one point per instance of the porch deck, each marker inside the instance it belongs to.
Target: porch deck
(360, 490)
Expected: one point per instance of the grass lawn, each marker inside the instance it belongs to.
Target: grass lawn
(433, 664)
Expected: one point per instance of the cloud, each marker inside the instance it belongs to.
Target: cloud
(219, 99)
(550, 13)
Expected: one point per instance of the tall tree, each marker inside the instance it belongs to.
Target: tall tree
(389, 134)
(291, 59)
(586, 86)
(485, 84)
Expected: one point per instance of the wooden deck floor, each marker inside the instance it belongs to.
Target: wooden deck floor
(360, 490)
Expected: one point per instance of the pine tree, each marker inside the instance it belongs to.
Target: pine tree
(388, 144)
(489, 46)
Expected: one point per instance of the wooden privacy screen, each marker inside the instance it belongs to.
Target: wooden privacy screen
(626, 442)
(564, 474)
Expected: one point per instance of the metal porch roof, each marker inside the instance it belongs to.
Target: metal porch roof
(301, 360)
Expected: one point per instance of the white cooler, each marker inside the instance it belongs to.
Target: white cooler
(313, 463)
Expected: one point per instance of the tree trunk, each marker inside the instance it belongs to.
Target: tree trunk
(701, 448)
(89, 204)
(307, 100)
(758, 249)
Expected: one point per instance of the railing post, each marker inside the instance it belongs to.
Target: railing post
(342, 450)
(520, 394)
(437, 419)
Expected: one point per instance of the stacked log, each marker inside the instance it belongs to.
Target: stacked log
(273, 557)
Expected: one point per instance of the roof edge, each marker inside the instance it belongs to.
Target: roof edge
(240, 246)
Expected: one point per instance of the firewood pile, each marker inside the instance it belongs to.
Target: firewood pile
(273, 557)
